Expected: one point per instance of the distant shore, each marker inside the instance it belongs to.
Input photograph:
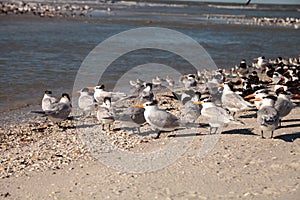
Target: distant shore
(84, 10)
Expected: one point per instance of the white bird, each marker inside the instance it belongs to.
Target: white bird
(234, 102)
(101, 93)
(283, 104)
(106, 113)
(170, 81)
(216, 116)
(157, 81)
(86, 101)
(267, 115)
(48, 100)
(259, 94)
(58, 111)
(160, 119)
(261, 62)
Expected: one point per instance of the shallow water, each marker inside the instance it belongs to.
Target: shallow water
(45, 53)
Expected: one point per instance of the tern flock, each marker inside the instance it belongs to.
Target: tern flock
(267, 86)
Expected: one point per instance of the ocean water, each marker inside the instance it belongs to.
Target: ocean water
(39, 54)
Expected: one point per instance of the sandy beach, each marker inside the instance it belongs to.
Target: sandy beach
(47, 44)
(46, 162)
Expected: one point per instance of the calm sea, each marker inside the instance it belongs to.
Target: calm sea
(39, 54)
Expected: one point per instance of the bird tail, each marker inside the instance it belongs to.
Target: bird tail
(39, 112)
(237, 122)
(43, 113)
(190, 124)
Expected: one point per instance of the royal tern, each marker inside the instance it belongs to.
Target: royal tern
(217, 116)
(259, 94)
(106, 113)
(283, 104)
(234, 102)
(58, 111)
(267, 115)
(48, 100)
(160, 119)
(86, 101)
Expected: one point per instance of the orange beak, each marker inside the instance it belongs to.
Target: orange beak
(220, 85)
(139, 106)
(249, 96)
(256, 59)
(256, 99)
(198, 102)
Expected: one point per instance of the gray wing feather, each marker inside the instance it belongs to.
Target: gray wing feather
(164, 119)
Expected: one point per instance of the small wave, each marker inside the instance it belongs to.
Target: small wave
(146, 4)
(233, 7)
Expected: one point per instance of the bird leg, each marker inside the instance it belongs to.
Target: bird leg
(158, 134)
(102, 126)
(272, 134)
(233, 114)
(262, 134)
(279, 123)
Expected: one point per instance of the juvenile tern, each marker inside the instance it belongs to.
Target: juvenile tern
(105, 113)
(267, 115)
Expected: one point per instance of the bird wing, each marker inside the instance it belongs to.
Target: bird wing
(85, 102)
(283, 107)
(216, 114)
(164, 120)
(233, 100)
(105, 113)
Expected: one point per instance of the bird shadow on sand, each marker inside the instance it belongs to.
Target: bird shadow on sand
(290, 120)
(248, 116)
(289, 126)
(288, 137)
(86, 125)
(245, 131)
